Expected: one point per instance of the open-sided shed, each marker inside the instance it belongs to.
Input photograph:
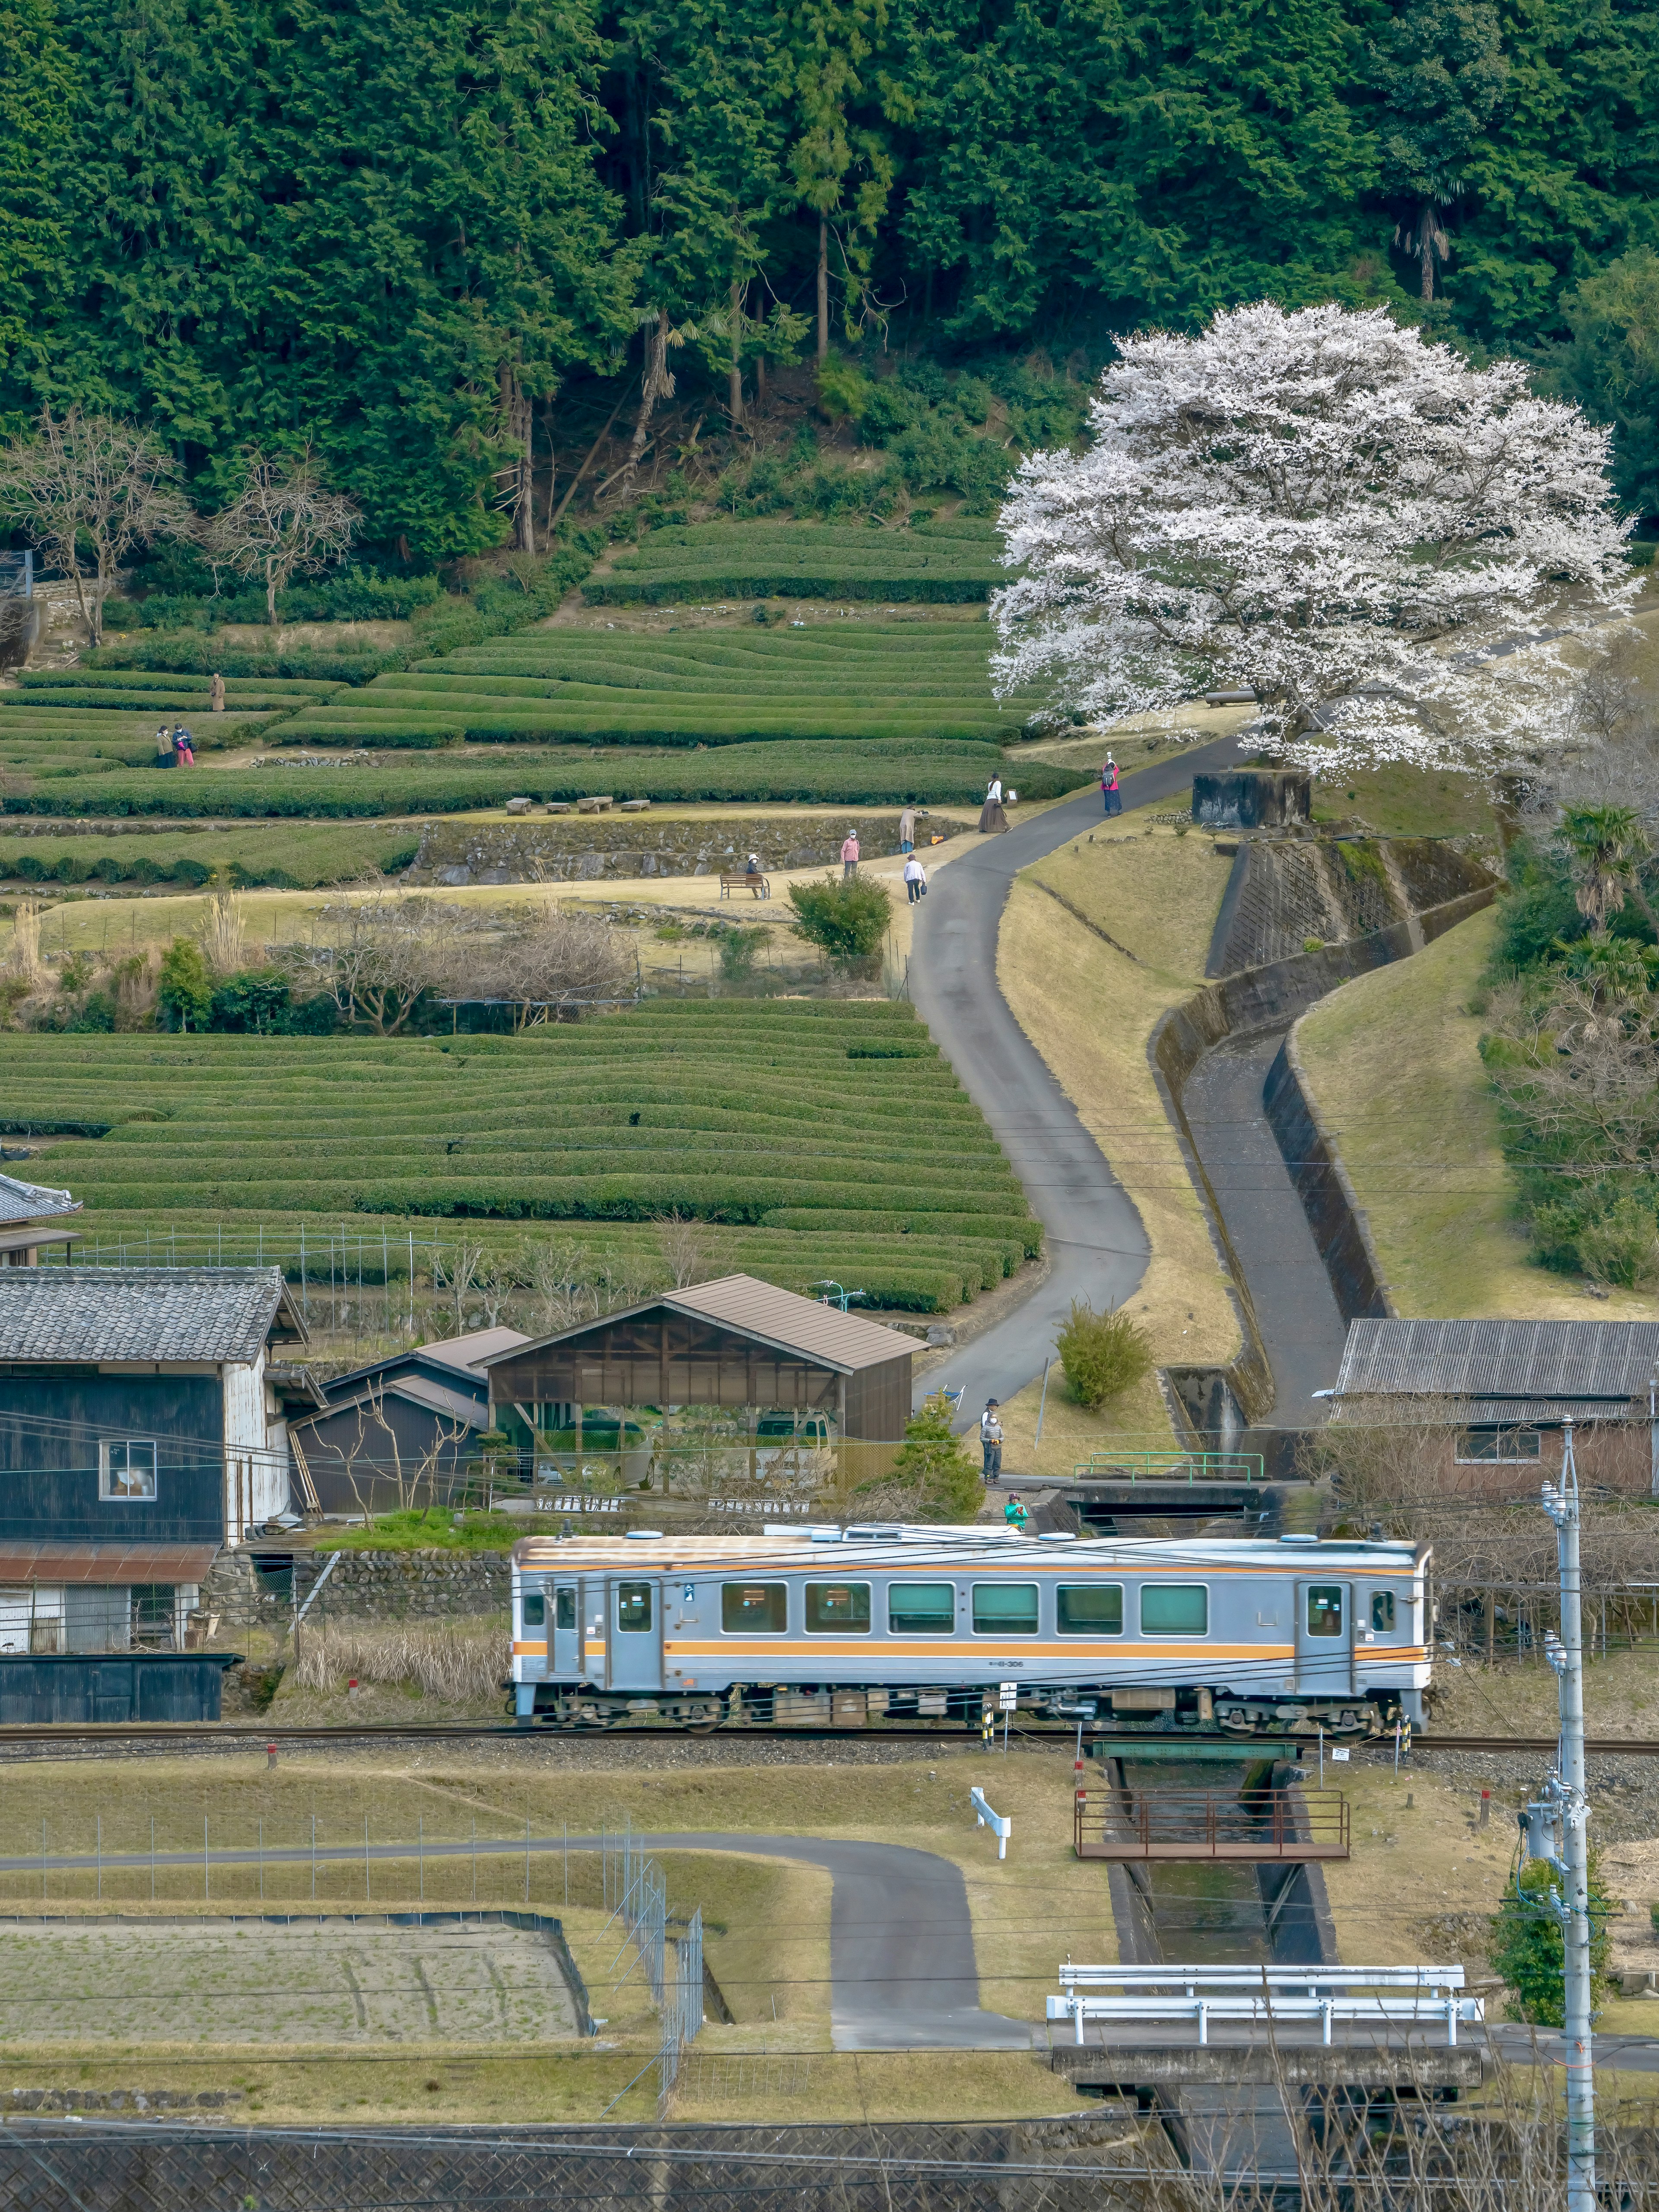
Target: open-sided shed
(732, 1343)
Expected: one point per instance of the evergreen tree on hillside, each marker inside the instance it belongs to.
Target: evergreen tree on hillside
(1441, 66)
(37, 85)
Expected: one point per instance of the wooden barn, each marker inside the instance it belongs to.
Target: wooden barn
(733, 1344)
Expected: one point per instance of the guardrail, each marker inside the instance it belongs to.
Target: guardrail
(1175, 1824)
(1188, 1466)
(1392, 1997)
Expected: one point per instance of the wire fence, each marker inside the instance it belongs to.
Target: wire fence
(636, 1890)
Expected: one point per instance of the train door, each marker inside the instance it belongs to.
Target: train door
(635, 1633)
(1324, 1639)
(566, 1633)
(593, 1604)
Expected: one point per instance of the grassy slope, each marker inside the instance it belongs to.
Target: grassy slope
(768, 1923)
(1392, 1060)
(1089, 1010)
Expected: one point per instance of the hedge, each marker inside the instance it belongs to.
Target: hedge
(147, 681)
(672, 588)
(190, 655)
(407, 731)
(824, 773)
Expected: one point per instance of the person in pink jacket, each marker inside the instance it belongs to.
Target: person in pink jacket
(849, 857)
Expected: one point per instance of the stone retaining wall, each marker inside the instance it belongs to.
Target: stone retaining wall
(363, 1586)
(588, 848)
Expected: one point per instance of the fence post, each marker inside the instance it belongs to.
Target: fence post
(207, 1887)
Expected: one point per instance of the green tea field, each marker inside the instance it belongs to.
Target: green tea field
(948, 560)
(796, 1140)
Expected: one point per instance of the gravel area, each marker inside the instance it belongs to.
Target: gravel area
(1624, 1792)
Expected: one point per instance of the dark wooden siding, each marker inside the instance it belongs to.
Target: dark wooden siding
(878, 1400)
(354, 1462)
(51, 1422)
(187, 1686)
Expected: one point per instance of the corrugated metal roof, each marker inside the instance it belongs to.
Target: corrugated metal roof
(416, 1389)
(106, 1564)
(33, 1201)
(845, 1343)
(53, 1314)
(1584, 1360)
(467, 1351)
(1517, 1413)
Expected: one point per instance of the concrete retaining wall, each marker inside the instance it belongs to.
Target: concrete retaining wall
(1334, 1214)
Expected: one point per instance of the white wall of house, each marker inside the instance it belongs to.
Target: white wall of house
(256, 1451)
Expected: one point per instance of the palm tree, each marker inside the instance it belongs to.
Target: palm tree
(1607, 847)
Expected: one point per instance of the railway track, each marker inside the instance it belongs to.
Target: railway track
(116, 1733)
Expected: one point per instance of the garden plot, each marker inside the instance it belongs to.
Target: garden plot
(314, 1980)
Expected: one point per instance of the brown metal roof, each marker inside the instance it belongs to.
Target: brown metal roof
(106, 1564)
(845, 1343)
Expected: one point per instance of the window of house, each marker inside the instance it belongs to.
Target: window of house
(1088, 1609)
(564, 1608)
(1383, 1613)
(921, 1608)
(534, 1615)
(632, 1607)
(1476, 1446)
(843, 1606)
(1004, 1608)
(1174, 1609)
(1325, 1609)
(126, 1470)
(754, 1608)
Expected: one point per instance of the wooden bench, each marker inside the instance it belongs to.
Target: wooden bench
(760, 886)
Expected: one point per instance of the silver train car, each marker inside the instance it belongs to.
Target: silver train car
(837, 1625)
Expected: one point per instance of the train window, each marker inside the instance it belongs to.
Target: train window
(1325, 1609)
(564, 1608)
(843, 1606)
(1383, 1613)
(1089, 1609)
(1004, 1608)
(534, 1614)
(921, 1608)
(1174, 1609)
(634, 1607)
(756, 1607)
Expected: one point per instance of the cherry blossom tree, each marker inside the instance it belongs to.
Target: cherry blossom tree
(1388, 546)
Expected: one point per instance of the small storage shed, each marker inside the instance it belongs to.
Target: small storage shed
(735, 1342)
(399, 1430)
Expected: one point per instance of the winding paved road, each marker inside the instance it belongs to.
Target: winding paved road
(1097, 1246)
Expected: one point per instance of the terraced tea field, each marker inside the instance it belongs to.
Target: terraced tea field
(889, 684)
(300, 855)
(812, 1138)
(953, 561)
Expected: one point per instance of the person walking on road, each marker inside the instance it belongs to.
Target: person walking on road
(908, 831)
(849, 856)
(915, 881)
(990, 1440)
(1109, 785)
(992, 819)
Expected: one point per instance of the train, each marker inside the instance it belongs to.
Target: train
(841, 1625)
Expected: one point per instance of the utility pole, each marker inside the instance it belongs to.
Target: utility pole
(1566, 1655)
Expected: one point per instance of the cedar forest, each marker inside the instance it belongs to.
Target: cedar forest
(438, 244)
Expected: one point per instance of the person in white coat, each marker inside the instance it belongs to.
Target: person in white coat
(915, 880)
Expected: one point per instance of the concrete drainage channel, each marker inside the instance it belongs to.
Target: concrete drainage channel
(1297, 1259)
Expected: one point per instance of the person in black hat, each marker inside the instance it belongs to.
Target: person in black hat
(990, 1440)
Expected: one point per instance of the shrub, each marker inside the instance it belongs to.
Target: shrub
(1527, 1953)
(1103, 1354)
(185, 998)
(932, 1459)
(847, 919)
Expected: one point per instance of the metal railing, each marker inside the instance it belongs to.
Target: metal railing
(1204, 1824)
(1391, 1998)
(1188, 1466)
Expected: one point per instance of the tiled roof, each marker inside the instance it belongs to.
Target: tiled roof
(1580, 1360)
(31, 1201)
(136, 1313)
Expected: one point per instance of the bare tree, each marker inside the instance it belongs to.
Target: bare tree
(284, 522)
(376, 1464)
(540, 960)
(78, 482)
(456, 1269)
(558, 1298)
(374, 955)
(684, 1248)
